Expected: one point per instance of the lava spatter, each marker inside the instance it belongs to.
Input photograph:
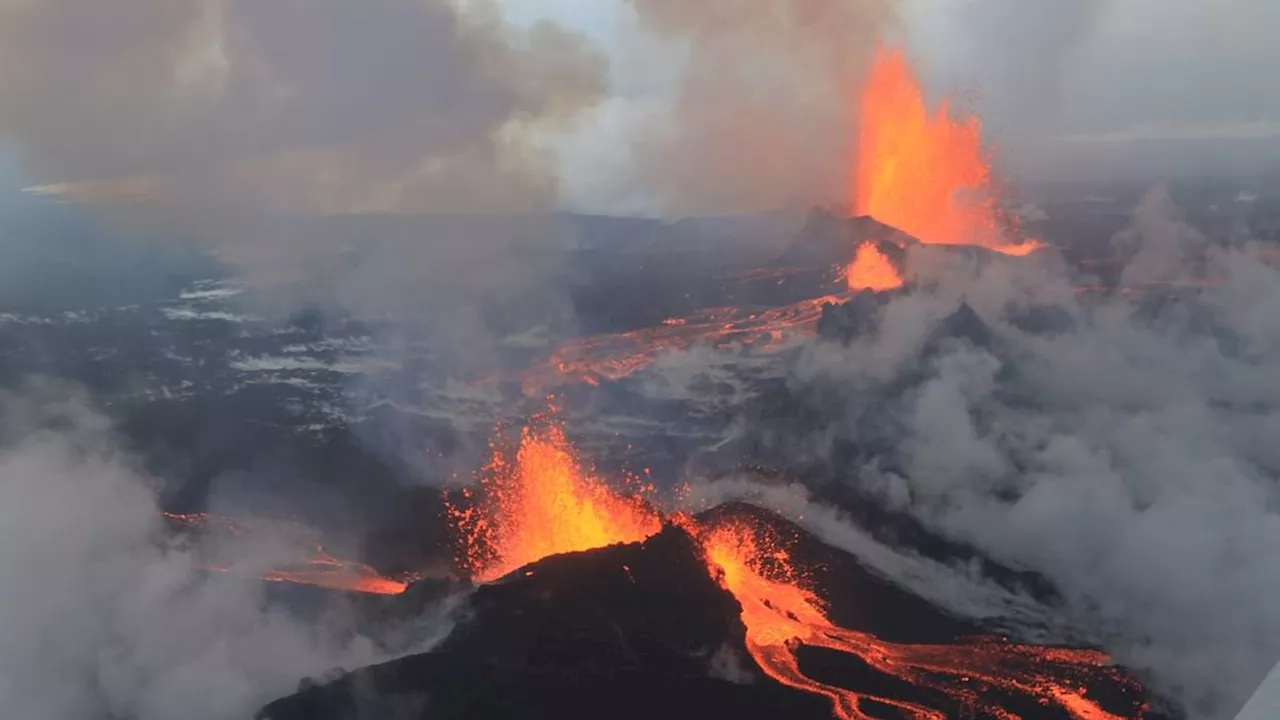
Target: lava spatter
(871, 270)
(544, 503)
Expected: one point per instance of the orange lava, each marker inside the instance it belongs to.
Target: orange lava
(314, 566)
(871, 270)
(779, 613)
(927, 175)
(614, 356)
(544, 504)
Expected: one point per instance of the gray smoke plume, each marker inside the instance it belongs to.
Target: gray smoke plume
(296, 107)
(765, 116)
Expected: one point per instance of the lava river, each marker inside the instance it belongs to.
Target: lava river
(780, 613)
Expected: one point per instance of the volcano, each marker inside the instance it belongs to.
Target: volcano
(673, 626)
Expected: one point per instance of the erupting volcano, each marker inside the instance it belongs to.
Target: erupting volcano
(925, 174)
(545, 503)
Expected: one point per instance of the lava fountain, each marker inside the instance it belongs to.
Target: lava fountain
(780, 613)
(925, 174)
(544, 503)
(871, 270)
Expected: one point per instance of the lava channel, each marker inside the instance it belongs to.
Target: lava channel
(780, 614)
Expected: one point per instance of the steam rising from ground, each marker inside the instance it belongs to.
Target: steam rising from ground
(1129, 458)
(100, 617)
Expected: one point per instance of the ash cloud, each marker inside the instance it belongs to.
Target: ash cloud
(1123, 455)
(396, 105)
(765, 114)
(383, 160)
(102, 616)
(257, 128)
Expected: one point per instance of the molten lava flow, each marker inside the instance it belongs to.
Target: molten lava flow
(314, 566)
(596, 358)
(779, 613)
(926, 175)
(871, 270)
(545, 504)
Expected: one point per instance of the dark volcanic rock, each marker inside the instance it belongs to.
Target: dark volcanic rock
(830, 239)
(638, 631)
(621, 632)
(1043, 320)
(848, 321)
(962, 325)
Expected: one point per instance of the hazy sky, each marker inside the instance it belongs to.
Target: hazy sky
(1085, 87)
(1059, 83)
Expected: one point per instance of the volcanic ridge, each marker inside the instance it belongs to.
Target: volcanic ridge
(717, 615)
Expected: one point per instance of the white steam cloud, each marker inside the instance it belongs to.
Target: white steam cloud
(1131, 459)
(100, 616)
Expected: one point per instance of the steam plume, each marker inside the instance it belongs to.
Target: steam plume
(1124, 459)
(101, 617)
(764, 116)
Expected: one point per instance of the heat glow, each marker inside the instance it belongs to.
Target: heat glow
(925, 174)
(779, 612)
(597, 358)
(871, 270)
(543, 504)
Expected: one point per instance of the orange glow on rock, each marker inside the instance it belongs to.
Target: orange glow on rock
(925, 174)
(871, 270)
(543, 504)
(780, 612)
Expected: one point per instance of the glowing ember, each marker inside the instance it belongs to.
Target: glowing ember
(871, 270)
(926, 175)
(545, 504)
(779, 612)
(314, 566)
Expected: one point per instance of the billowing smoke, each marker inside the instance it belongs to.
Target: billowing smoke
(1121, 446)
(102, 617)
(250, 126)
(1020, 55)
(312, 107)
(765, 114)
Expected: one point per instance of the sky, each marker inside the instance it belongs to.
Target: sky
(1076, 88)
(1088, 87)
